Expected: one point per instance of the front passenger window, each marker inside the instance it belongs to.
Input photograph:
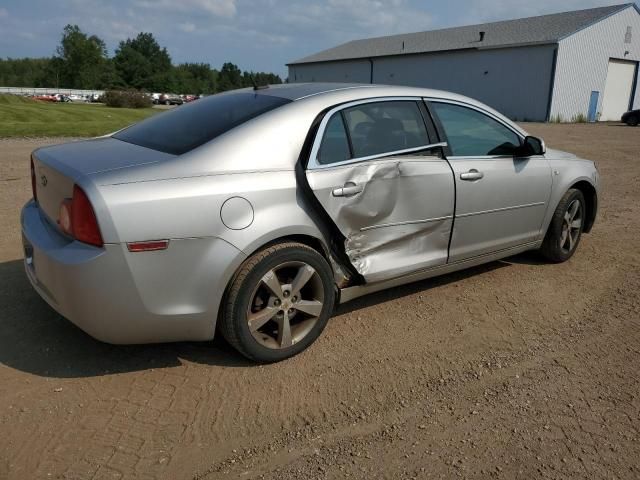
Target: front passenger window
(474, 134)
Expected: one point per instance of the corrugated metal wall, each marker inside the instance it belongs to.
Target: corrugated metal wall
(354, 71)
(514, 81)
(583, 59)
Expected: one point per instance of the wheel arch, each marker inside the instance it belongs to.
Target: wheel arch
(591, 198)
(314, 242)
(304, 238)
(305, 233)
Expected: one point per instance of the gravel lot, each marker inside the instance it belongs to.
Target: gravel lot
(516, 369)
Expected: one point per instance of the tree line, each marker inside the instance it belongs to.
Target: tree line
(82, 62)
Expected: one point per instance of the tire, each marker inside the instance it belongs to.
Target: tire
(561, 242)
(253, 298)
(633, 121)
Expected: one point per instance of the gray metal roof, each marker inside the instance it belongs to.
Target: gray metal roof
(510, 33)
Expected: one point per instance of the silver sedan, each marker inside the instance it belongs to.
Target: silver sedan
(255, 212)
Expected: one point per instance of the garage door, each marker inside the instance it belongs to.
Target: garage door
(617, 92)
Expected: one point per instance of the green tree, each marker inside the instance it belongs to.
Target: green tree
(229, 78)
(81, 59)
(260, 78)
(196, 78)
(25, 72)
(141, 63)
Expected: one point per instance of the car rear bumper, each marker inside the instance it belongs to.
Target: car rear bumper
(127, 298)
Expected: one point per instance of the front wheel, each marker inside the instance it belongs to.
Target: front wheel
(565, 230)
(279, 302)
(633, 121)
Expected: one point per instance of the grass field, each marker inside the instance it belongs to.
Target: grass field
(24, 117)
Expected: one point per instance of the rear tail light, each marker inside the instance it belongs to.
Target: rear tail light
(77, 219)
(33, 181)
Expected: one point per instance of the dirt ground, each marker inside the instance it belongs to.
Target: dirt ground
(516, 370)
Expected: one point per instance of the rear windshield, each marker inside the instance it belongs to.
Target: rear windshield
(184, 128)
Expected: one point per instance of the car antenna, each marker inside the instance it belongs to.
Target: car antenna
(255, 84)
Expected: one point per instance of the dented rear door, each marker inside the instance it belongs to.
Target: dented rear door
(396, 213)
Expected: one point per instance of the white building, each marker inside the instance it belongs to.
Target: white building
(540, 68)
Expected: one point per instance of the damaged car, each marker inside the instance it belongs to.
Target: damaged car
(254, 213)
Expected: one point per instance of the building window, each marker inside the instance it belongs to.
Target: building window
(627, 37)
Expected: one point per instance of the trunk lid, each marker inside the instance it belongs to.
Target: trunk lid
(59, 167)
(52, 187)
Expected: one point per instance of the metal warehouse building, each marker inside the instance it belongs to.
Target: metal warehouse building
(539, 68)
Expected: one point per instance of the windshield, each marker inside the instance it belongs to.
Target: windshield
(184, 128)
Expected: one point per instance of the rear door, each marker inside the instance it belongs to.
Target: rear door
(387, 190)
(501, 199)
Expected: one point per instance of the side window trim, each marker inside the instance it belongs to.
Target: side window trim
(443, 136)
(347, 133)
(313, 163)
(432, 132)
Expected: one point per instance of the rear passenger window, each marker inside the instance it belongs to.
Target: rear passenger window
(384, 127)
(335, 144)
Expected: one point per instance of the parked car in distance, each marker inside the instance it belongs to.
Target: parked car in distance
(254, 213)
(170, 99)
(76, 98)
(45, 98)
(631, 118)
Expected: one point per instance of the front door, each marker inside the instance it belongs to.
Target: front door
(500, 200)
(391, 198)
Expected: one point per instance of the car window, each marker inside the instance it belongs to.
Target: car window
(383, 127)
(335, 144)
(471, 133)
(182, 129)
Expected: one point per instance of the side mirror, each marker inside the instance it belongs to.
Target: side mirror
(531, 146)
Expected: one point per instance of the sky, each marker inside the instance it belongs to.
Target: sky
(258, 35)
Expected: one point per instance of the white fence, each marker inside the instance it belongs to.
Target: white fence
(48, 91)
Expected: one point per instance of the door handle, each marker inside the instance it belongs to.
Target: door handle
(349, 190)
(471, 175)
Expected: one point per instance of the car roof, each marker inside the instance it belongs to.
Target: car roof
(301, 91)
(298, 91)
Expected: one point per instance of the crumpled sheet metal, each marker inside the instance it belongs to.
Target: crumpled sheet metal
(402, 219)
(391, 252)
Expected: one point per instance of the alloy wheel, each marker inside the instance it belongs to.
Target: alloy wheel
(571, 226)
(285, 305)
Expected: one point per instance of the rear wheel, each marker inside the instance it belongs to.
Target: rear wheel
(279, 302)
(633, 121)
(565, 230)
